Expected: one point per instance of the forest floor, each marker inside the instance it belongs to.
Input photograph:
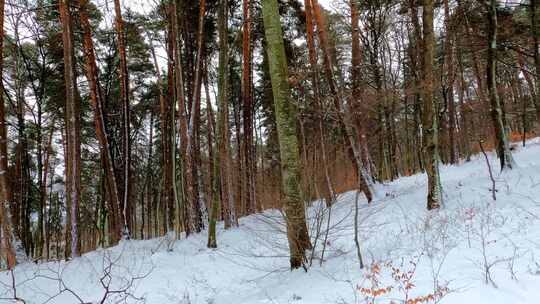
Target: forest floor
(474, 250)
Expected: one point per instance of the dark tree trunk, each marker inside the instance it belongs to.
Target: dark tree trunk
(73, 146)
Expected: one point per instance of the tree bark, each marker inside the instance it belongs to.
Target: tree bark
(8, 237)
(224, 159)
(212, 171)
(450, 80)
(503, 146)
(297, 233)
(96, 99)
(185, 141)
(126, 121)
(317, 96)
(344, 114)
(195, 122)
(247, 97)
(72, 126)
(430, 115)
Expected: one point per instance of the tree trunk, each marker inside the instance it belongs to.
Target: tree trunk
(194, 124)
(8, 237)
(124, 99)
(72, 126)
(224, 159)
(503, 146)
(212, 172)
(247, 97)
(96, 99)
(357, 89)
(317, 96)
(450, 79)
(430, 113)
(169, 195)
(185, 141)
(535, 14)
(344, 114)
(297, 233)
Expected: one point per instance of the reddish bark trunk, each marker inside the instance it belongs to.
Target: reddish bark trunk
(5, 189)
(96, 99)
(124, 98)
(72, 127)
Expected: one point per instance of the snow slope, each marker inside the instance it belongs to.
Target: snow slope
(446, 251)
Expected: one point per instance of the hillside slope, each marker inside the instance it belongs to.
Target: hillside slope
(474, 250)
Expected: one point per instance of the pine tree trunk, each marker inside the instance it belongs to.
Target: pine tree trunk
(503, 146)
(430, 113)
(96, 99)
(288, 142)
(8, 237)
(188, 214)
(224, 159)
(344, 114)
(315, 80)
(72, 127)
(169, 195)
(22, 169)
(212, 172)
(43, 194)
(195, 121)
(126, 121)
(356, 79)
(247, 97)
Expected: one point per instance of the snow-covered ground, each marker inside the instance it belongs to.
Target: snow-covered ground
(474, 250)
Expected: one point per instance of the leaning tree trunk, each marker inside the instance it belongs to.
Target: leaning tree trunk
(315, 80)
(8, 237)
(344, 114)
(357, 88)
(430, 116)
(124, 98)
(503, 146)
(72, 126)
(297, 233)
(96, 99)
